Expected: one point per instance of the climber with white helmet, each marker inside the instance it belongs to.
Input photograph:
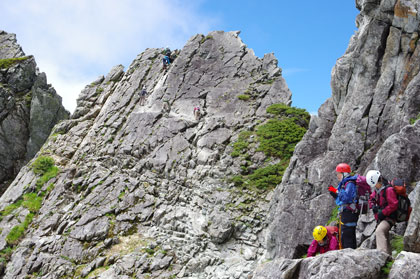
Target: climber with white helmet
(384, 203)
(346, 198)
(324, 240)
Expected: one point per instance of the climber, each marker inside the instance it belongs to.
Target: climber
(167, 52)
(324, 240)
(143, 94)
(384, 203)
(197, 113)
(167, 57)
(166, 61)
(346, 198)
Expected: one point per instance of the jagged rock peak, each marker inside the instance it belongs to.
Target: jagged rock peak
(29, 108)
(144, 187)
(9, 46)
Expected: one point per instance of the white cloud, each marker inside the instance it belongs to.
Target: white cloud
(76, 41)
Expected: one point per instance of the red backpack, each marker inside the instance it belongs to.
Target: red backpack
(404, 209)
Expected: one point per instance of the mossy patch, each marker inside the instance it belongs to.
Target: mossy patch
(7, 63)
(208, 37)
(127, 245)
(32, 201)
(244, 97)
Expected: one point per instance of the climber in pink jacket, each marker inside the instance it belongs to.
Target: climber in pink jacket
(324, 240)
(384, 203)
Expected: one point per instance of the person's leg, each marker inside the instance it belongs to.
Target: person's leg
(348, 237)
(348, 230)
(382, 237)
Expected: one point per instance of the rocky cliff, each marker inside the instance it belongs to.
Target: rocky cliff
(131, 189)
(370, 122)
(29, 109)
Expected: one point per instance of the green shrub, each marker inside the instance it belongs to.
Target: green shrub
(241, 145)
(15, 234)
(300, 116)
(32, 202)
(237, 180)
(17, 231)
(11, 207)
(5, 254)
(268, 177)
(49, 174)
(334, 216)
(387, 268)
(244, 97)
(397, 243)
(413, 120)
(42, 164)
(278, 138)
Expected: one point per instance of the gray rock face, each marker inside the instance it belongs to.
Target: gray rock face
(147, 186)
(29, 109)
(345, 263)
(405, 266)
(412, 233)
(366, 123)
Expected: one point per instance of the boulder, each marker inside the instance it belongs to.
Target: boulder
(405, 266)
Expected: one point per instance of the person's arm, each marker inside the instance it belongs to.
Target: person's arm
(312, 249)
(392, 200)
(333, 244)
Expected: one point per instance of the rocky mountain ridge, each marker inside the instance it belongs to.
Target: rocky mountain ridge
(131, 190)
(126, 189)
(29, 108)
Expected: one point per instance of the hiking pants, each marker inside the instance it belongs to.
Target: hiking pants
(382, 237)
(348, 229)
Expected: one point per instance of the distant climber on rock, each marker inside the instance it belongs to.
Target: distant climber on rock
(384, 203)
(166, 62)
(346, 198)
(143, 94)
(197, 113)
(324, 240)
(167, 52)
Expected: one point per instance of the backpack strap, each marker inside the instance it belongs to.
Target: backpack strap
(384, 195)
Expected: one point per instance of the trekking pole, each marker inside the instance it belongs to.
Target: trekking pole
(339, 234)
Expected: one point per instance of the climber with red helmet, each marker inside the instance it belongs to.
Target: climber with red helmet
(324, 240)
(346, 198)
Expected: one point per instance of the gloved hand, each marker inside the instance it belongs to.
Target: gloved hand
(332, 189)
(375, 209)
(381, 216)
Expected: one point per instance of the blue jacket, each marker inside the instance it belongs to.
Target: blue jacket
(346, 191)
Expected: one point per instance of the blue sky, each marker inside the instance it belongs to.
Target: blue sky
(76, 41)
